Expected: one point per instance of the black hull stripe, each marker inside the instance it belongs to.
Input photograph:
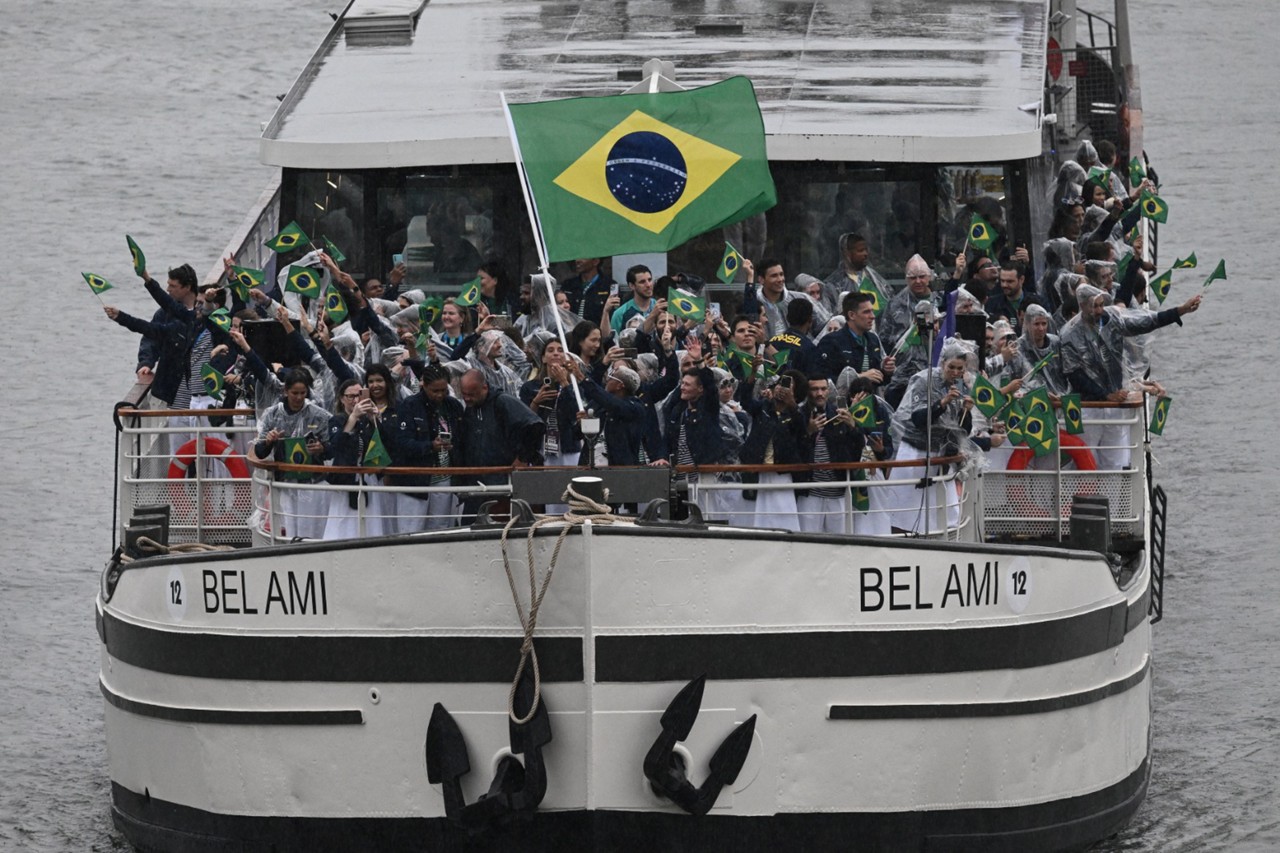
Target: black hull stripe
(989, 709)
(1070, 824)
(853, 654)
(630, 658)
(232, 717)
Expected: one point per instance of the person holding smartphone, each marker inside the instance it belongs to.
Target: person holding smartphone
(778, 437)
(426, 432)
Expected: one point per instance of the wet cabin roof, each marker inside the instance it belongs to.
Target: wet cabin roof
(858, 80)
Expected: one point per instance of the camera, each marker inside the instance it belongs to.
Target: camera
(784, 382)
(546, 382)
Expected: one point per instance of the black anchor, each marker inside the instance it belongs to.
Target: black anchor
(666, 771)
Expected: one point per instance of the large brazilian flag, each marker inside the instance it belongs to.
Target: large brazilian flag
(645, 172)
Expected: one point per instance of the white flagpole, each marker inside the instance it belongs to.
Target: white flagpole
(539, 241)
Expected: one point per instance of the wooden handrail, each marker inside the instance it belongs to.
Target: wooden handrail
(165, 413)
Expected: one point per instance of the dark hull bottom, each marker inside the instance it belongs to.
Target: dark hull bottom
(154, 825)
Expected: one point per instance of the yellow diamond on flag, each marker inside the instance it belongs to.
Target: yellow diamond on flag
(646, 171)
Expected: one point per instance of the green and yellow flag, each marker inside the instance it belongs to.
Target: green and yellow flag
(878, 300)
(686, 306)
(643, 172)
(1013, 421)
(376, 455)
(774, 367)
(987, 397)
(1160, 285)
(304, 281)
(214, 381)
(864, 412)
(243, 279)
(1187, 263)
(1041, 364)
(1160, 415)
(335, 308)
(729, 264)
(1040, 432)
(1219, 273)
(97, 283)
(1137, 171)
(429, 312)
(221, 318)
(292, 237)
(139, 259)
(332, 250)
(1102, 175)
(981, 233)
(861, 498)
(1072, 414)
(1038, 403)
(1122, 267)
(295, 451)
(1153, 207)
(469, 294)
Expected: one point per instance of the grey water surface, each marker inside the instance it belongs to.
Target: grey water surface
(143, 117)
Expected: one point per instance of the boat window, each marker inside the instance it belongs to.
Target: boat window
(964, 190)
(330, 204)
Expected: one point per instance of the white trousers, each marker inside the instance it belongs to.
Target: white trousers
(776, 507)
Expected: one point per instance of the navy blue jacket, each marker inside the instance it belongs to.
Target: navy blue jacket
(566, 414)
(841, 349)
(624, 418)
(702, 424)
(417, 425)
(804, 353)
(497, 432)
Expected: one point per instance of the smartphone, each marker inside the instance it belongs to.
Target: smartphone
(628, 352)
(311, 436)
(613, 289)
(546, 382)
(397, 259)
(501, 320)
(446, 438)
(784, 382)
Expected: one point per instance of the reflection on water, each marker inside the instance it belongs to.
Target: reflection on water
(141, 117)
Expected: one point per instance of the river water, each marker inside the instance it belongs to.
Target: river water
(143, 117)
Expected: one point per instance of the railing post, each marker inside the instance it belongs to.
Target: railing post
(199, 467)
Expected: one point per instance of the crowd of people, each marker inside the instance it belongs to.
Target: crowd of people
(504, 377)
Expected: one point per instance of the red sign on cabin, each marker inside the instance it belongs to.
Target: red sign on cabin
(1076, 68)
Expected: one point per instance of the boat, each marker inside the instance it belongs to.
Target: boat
(656, 680)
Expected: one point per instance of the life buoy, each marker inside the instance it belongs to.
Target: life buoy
(214, 448)
(1020, 459)
(1069, 444)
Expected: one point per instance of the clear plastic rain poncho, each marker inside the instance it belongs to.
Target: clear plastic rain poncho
(926, 389)
(1095, 347)
(542, 311)
(293, 301)
(1094, 216)
(1059, 259)
(498, 357)
(1070, 184)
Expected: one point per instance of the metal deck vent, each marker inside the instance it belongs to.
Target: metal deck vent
(381, 22)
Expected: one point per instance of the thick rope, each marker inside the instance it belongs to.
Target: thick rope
(581, 508)
(150, 547)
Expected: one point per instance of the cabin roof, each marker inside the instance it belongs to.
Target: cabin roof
(846, 80)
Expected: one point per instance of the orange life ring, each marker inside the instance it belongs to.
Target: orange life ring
(214, 448)
(1080, 454)
(1070, 444)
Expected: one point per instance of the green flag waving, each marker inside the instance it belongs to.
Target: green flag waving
(376, 455)
(775, 366)
(139, 259)
(1013, 422)
(97, 283)
(292, 237)
(864, 412)
(429, 312)
(295, 451)
(981, 233)
(729, 264)
(1187, 263)
(221, 318)
(1038, 403)
(1160, 415)
(987, 397)
(244, 279)
(1072, 414)
(643, 172)
(333, 251)
(1137, 171)
(1160, 285)
(1153, 207)
(686, 306)
(879, 301)
(1041, 364)
(1219, 273)
(1040, 432)
(304, 281)
(214, 381)
(861, 499)
(335, 308)
(469, 294)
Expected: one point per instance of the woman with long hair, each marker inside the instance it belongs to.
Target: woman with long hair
(350, 430)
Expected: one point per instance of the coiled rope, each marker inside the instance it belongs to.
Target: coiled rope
(150, 547)
(581, 508)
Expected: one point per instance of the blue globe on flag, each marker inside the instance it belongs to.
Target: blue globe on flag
(646, 172)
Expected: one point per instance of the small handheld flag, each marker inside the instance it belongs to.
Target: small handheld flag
(214, 381)
(97, 283)
(1102, 175)
(685, 305)
(375, 455)
(1187, 263)
(1013, 423)
(864, 413)
(1137, 171)
(295, 451)
(335, 308)
(1122, 267)
(981, 233)
(987, 397)
(861, 498)
(1041, 364)
(1038, 402)
(1153, 207)
(470, 293)
(1040, 433)
(288, 239)
(1072, 414)
(775, 366)
(244, 279)
(878, 300)
(303, 281)
(221, 318)
(139, 259)
(1160, 415)
(333, 251)
(730, 264)
(429, 311)
(1219, 272)
(1160, 285)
